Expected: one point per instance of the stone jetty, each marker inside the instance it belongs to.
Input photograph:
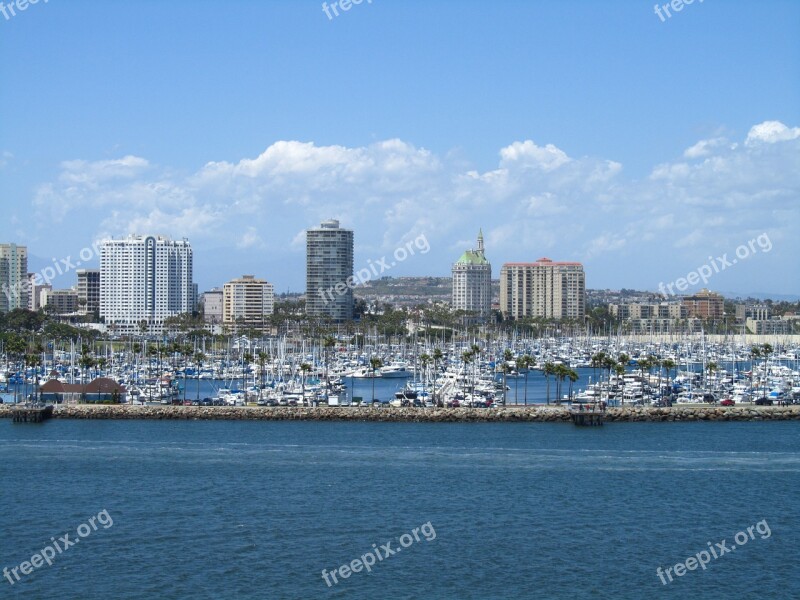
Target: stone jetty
(543, 414)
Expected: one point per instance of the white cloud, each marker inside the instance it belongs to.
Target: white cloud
(537, 200)
(770, 132)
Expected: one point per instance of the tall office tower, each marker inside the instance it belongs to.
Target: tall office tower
(13, 277)
(145, 279)
(547, 289)
(329, 269)
(88, 290)
(247, 302)
(472, 281)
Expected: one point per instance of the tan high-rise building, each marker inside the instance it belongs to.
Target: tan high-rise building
(546, 289)
(247, 301)
(13, 277)
(705, 305)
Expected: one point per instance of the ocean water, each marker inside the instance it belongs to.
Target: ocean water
(259, 509)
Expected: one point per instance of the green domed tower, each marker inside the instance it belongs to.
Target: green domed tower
(472, 281)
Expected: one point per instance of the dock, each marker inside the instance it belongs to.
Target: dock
(27, 413)
(589, 415)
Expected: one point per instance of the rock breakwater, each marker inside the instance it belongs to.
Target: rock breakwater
(544, 414)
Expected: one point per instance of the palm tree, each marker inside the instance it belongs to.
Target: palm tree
(711, 367)
(508, 356)
(766, 350)
(476, 353)
(619, 370)
(34, 360)
(304, 369)
(526, 362)
(262, 359)
(247, 358)
(437, 358)
(755, 354)
(199, 357)
(549, 369)
(597, 362)
(466, 356)
(15, 349)
(668, 364)
(328, 343)
(186, 351)
(424, 360)
(86, 362)
(375, 363)
(572, 374)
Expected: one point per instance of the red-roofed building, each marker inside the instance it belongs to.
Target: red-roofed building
(545, 288)
(101, 389)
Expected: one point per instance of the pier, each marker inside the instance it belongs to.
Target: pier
(590, 415)
(31, 413)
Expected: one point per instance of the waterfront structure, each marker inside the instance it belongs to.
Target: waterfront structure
(88, 291)
(247, 302)
(472, 281)
(329, 271)
(143, 281)
(705, 305)
(13, 277)
(544, 289)
(59, 302)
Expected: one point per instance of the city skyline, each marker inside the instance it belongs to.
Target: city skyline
(553, 153)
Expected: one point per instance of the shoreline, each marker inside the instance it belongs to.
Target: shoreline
(531, 414)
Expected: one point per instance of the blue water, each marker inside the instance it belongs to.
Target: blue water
(258, 509)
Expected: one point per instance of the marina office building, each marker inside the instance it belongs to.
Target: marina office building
(329, 262)
(145, 279)
(546, 289)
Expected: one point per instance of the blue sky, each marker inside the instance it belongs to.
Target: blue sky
(577, 130)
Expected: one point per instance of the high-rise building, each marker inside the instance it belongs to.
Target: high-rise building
(145, 279)
(59, 302)
(35, 291)
(329, 271)
(88, 290)
(472, 281)
(705, 305)
(212, 306)
(13, 277)
(247, 302)
(546, 289)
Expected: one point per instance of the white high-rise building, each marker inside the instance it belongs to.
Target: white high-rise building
(329, 271)
(472, 281)
(14, 285)
(145, 279)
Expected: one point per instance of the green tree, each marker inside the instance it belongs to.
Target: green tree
(375, 363)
